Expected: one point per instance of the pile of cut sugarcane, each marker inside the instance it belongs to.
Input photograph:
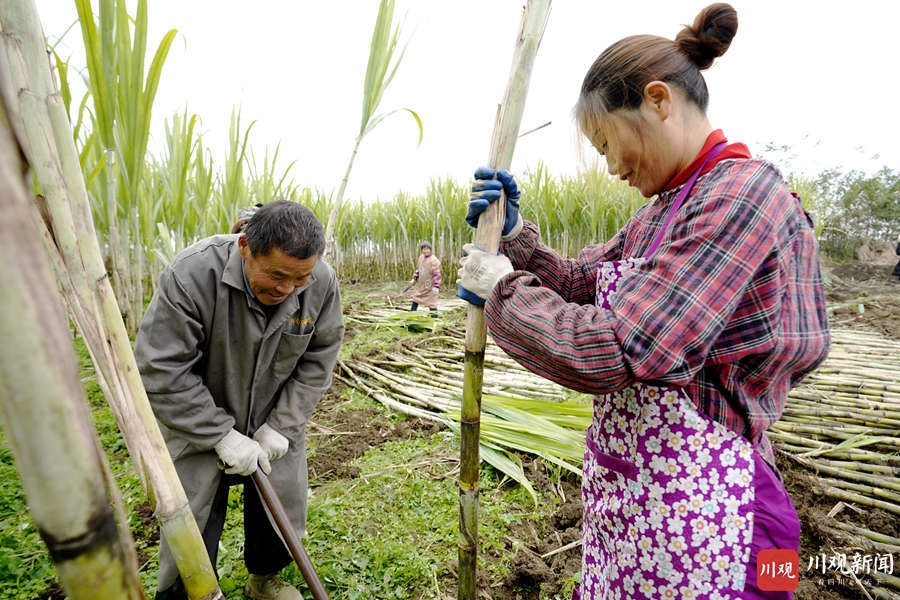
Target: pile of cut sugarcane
(842, 424)
(423, 377)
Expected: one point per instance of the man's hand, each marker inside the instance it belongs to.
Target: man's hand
(241, 455)
(479, 272)
(273, 443)
(486, 189)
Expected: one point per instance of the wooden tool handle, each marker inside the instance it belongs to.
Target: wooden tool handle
(276, 508)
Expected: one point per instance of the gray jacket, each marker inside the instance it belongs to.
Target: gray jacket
(210, 362)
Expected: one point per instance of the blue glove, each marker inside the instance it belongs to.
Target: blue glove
(468, 296)
(486, 189)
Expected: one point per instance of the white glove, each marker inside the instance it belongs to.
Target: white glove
(273, 443)
(479, 271)
(435, 291)
(241, 455)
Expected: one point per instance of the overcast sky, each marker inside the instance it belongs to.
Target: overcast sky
(817, 77)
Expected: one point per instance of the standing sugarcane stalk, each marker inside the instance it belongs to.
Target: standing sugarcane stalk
(384, 58)
(71, 492)
(487, 236)
(42, 129)
(122, 90)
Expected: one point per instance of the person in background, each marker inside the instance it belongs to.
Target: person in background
(896, 271)
(426, 281)
(235, 350)
(690, 326)
(244, 216)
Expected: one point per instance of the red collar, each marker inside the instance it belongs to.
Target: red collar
(736, 150)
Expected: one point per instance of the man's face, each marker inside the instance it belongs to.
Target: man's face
(275, 275)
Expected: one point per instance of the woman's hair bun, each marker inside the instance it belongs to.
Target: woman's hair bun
(710, 35)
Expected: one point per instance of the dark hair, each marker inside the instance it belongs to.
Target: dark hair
(618, 76)
(288, 226)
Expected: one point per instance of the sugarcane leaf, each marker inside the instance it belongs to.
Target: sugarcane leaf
(411, 321)
(381, 117)
(94, 55)
(508, 464)
(859, 440)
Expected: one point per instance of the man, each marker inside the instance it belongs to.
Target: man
(244, 215)
(426, 281)
(236, 348)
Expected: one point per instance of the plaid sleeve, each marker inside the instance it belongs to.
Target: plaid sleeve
(543, 315)
(572, 279)
(724, 293)
(569, 343)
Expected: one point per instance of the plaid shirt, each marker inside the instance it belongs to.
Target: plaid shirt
(730, 307)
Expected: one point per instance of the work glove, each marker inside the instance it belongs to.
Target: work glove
(486, 189)
(241, 455)
(435, 291)
(479, 272)
(273, 443)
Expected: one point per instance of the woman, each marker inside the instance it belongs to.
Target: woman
(690, 326)
(896, 271)
(426, 281)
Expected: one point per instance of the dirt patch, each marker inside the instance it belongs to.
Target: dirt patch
(548, 552)
(819, 516)
(337, 436)
(863, 296)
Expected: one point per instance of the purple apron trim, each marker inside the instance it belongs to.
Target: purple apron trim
(685, 190)
(775, 525)
(624, 467)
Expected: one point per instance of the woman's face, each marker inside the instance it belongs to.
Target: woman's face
(635, 148)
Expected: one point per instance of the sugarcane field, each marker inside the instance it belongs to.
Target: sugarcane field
(222, 378)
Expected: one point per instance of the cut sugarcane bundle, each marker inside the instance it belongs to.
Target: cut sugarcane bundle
(840, 424)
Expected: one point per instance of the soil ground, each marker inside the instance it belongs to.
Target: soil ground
(531, 576)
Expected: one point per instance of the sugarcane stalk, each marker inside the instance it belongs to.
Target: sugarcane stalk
(386, 399)
(47, 143)
(879, 541)
(871, 427)
(117, 256)
(860, 466)
(872, 474)
(844, 433)
(487, 236)
(71, 491)
(871, 490)
(800, 410)
(844, 394)
(384, 58)
(849, 496)
(891, 580)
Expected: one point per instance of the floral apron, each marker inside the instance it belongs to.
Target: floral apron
(667, 491)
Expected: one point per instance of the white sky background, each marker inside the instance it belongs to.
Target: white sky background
(820, 78)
